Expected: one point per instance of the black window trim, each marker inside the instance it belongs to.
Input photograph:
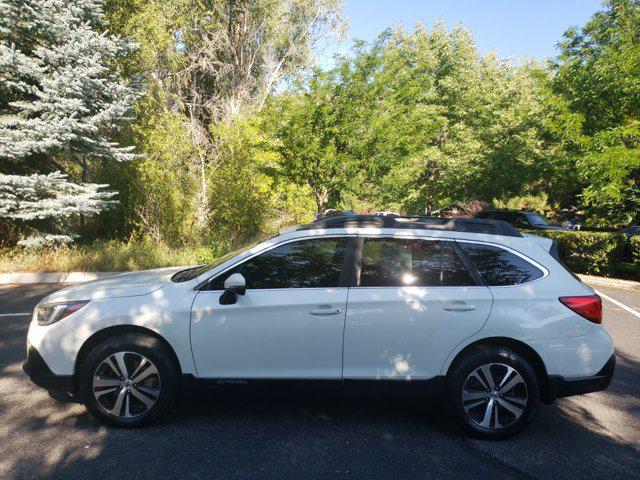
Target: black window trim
(345, 273)
(357, 265)
(542, 268)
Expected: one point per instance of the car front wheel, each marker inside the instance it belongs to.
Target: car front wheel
(493, 392)
(128, 380)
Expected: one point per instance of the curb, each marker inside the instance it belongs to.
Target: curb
(53, 277)
(610, 282)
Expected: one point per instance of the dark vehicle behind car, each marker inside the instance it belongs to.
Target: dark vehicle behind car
(332, 213)
(630, 231)
(533, 221)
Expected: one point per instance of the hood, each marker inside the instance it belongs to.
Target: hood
(131, 284)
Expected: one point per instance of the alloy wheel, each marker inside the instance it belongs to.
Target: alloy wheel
(494, 395)
(126, 384)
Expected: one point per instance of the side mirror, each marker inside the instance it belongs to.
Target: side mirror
(233, 286)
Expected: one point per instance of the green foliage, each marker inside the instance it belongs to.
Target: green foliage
(258, 202)
(598, 73)
(532, 203)
(203, 177)
(588, 252)
(314, 130)
(635, 249)
(414, 120)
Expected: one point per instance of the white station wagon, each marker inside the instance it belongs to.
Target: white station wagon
(468, 307)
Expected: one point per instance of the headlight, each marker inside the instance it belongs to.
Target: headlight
(49, 313)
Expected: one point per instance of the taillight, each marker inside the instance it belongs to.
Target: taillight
(590, 307)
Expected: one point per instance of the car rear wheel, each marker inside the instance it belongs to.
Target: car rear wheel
(129, 380)
(493, 392)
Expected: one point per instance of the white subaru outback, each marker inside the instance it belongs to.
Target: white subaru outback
(468, 307)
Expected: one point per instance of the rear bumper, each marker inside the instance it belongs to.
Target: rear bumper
(40, 373)
(566, 387)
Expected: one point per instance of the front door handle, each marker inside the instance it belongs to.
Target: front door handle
(459, 307)
(325, 311)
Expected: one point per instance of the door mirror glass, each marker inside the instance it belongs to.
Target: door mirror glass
(234, 285)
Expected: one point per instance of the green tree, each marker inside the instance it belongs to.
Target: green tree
(417, 120)
(315, 134)
(598, 74)
(210, 65)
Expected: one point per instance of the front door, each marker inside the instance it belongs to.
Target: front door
(288, 324)
(413, 303)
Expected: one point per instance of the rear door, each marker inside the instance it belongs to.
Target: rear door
(413, 301)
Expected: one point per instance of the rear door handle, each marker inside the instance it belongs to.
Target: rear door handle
(325, 311)
(459, 307)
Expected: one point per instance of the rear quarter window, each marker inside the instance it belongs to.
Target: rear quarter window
(499, 267)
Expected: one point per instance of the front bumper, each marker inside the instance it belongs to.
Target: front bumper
(565, 387)
(40, 373)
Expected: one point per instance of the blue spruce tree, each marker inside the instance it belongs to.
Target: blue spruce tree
(61, 101)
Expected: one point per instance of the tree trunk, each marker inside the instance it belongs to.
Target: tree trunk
(322, 197)
(203, 202)
(84, 180)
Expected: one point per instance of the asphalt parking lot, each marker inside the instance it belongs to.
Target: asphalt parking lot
(236, 434)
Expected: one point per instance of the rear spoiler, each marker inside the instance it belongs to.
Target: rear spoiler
(548, 244)
(551, 246)
(554, 251)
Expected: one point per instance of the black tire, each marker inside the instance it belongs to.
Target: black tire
(498, 359)
(167, 378)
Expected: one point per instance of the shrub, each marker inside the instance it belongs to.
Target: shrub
(532, 203)
(588, 252)
(635, 249)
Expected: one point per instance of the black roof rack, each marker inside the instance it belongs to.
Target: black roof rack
(471, 225)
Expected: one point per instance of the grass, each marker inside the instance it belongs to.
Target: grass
(103, 256)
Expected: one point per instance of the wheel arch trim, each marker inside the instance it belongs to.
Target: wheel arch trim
(518, 346)
(113, 330)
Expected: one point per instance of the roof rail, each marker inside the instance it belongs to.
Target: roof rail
(471, 225)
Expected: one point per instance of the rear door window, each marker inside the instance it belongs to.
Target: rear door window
(390, 262)
(499, 267)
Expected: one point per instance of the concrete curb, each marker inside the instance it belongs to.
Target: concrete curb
(53, 277)
(610, 282)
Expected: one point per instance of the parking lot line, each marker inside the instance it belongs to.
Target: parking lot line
(619, 304)
(21, 314)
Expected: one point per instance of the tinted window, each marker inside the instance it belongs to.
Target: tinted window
(521, 219)
(303, 264)
(499, 267)
(536, 219)
(454, 273)
(398, 263)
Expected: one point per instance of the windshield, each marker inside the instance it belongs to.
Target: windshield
(535, 219)
(194, 272)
